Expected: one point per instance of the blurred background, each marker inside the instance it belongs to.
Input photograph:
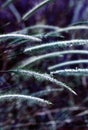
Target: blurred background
(68, 112)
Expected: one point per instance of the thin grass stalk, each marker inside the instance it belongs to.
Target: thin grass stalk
(32, 11)
(66, 29)
(34, 59)
(20, 36)
(39, 26)
(19, 96)
(46, 92)
(7, 3)
(58, 44)
(40, 76)
(68, 63)
(71, 72)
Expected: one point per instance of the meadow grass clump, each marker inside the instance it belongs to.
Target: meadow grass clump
(43, 67)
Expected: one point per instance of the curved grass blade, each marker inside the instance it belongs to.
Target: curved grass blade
(7, 3)
(66, 29)
(19, 41)
(15, 12)
(83, 113)
(56, 28)
(4, 25)
(32, 11)
(42, 77)
(30, 61)
(20, 36)
(46, 92)
(68, 63)
(19, 96)
(38, 26)
(58, 44)
(80, 23)
(71, 72)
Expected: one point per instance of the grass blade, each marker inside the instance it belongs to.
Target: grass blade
(41, 77)
(32, 11)
(50, 55)
(7, 3)
(19, 96)
(71, 72)
(66, 29)
(68, 63)
(39, 26)
(20, 36)
(46, 92)
(58, 44)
